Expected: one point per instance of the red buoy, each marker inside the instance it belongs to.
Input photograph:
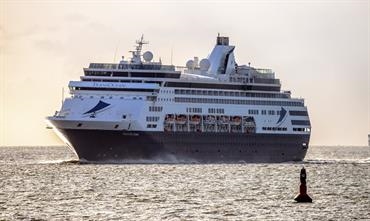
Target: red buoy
(303, 197)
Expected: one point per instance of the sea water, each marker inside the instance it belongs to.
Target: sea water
(44, 183)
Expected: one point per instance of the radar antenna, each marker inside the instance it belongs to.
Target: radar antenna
(136, 55)
(140, 43)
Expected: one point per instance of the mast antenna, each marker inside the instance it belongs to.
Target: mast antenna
(140, 43)
(136, 55)
(62, 95)
(115, 53)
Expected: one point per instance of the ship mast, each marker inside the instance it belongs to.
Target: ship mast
(136, 55)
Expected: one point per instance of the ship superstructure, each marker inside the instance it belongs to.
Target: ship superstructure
(212, 110)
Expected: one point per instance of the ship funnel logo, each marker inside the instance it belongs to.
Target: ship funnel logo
(282, 115)
(101, 105)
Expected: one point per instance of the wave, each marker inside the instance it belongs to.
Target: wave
(337, 161)
(173, 160)
(163, 159)
(64, 161)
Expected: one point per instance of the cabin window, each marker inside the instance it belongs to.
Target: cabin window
(155, 108)
(151, 126)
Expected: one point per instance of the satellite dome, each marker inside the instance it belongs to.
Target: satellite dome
(148, 56)
(204, 64)
(190, 64)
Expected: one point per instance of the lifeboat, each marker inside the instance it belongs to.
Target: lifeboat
(224, 120)
(181, 119)
(236, 120)
(249, 122)
(209, 119)
(195, 119)
(169, 119)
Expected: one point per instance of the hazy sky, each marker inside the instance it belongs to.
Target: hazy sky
(319, 50)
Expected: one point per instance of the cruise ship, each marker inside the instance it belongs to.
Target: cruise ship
(212, 110)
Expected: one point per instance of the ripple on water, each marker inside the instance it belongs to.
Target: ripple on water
(47, 185)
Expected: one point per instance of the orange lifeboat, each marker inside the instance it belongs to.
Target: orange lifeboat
(236, 120)
(195, 119)
(169, 119)
(181, 119)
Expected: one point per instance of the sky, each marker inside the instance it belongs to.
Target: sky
(319, 50)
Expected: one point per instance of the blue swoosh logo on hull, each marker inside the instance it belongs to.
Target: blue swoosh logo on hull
(282, 115)
(97, 107)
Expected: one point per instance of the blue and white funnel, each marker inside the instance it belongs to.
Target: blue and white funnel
(222, 57)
